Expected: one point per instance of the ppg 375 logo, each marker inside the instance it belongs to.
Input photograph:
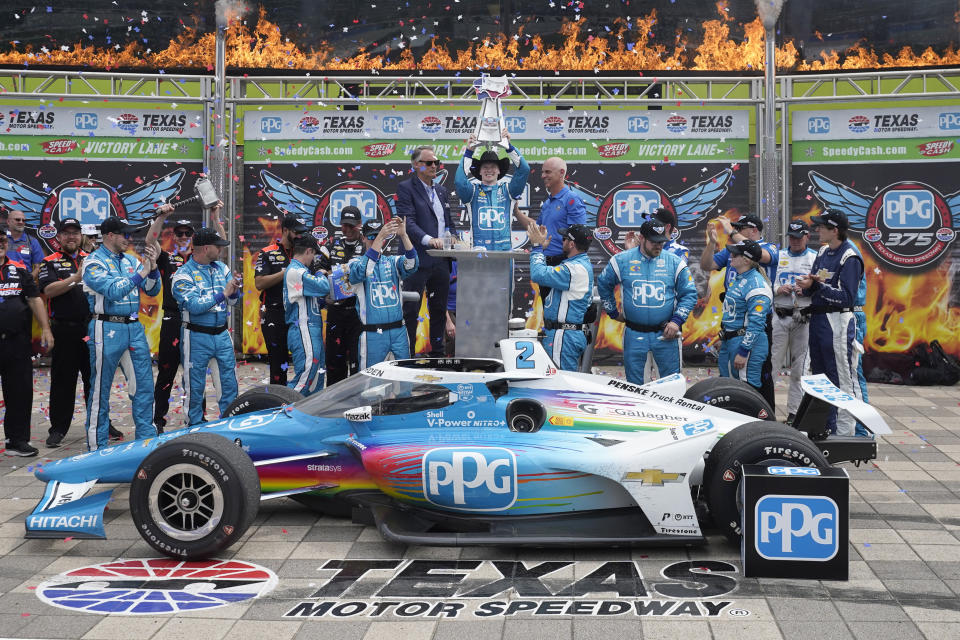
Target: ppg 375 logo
(804, 528)
(470, 479)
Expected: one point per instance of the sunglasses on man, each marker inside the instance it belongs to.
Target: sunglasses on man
(430, 163)
(183, 233)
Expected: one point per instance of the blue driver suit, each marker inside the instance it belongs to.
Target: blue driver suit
(376, 279)
(302, 295)
(491, 208)
(655, 291)
(677, 249)
(834, 349)
(571, 291)
(204, 339)
(746, 306)
(112, 283)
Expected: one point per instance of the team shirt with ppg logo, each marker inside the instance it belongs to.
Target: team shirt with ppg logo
(16, 285)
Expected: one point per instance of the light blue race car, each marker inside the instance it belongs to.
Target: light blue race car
(460, 452)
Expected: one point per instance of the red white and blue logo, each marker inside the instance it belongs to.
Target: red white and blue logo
(676, 124)
(431, 124)
(309, 124)
(156, 586)
(553, 124)
(859, 124)
(128, 122)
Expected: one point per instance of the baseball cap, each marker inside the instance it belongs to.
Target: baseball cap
(182, 222)
(747, 248)
(69, 222)
(653, 230)
(749, 220)
(371, 228)
(833, 218)
(207, 236)
(350, 215)
(798, 229)
(306, 241)
(115, 224)
(292, 222)
(665, 216)
(579, 233)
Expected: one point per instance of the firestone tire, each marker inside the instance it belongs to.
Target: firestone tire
(194, 496)
(260, 398)
(762, 442)
(733, 395)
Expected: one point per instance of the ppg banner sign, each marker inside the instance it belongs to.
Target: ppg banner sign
(795, 522)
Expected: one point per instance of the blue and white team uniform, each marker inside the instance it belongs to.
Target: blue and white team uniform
(302, 296)
(743, 327)
(204, 339)
(376, 280)
(861, 318)
(655, 291)
(571, 292)
(834, 349)
(722, 259)
(790, 327)
(491, 207)
(112, 282)
(677, 249)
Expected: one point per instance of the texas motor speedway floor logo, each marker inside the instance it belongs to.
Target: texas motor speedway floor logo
(479, 589)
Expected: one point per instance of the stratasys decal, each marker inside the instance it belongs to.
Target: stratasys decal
(478, 589)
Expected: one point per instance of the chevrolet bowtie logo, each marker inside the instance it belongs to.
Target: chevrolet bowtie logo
(426, 377)
(653, 477)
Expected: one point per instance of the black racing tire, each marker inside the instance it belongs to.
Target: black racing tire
(262, 397)
(761, 442)
(194, 496)
(733, 395)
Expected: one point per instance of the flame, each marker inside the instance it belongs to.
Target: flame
(260, 44)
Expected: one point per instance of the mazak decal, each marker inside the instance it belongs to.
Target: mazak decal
(906, 224)
(379, 149)
(57, 147)
(477, 589)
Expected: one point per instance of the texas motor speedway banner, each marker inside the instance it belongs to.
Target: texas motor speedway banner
(90, 163)
(623, 164)
(894, 173)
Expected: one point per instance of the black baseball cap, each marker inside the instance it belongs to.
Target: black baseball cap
(798, 229)
(306, 241)
(291, 221)
(69, 222)
(665, 216)
(749, 220)
(351, 215)
(747, 248)
(832, 218)
(653, 230)
(371, 228)
(182, 222)
(579, 233)
(115, 224)
(207, 236)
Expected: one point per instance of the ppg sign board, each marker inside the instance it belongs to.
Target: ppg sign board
(88, 205)
(913, 209)
(795, 522)
(363, 199)
(632, 206)
(474, 479)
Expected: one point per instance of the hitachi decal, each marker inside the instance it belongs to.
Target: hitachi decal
(62, 522)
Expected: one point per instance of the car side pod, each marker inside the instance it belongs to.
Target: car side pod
(820, 396)
(525, 415)
(64, 512)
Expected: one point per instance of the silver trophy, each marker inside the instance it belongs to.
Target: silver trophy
(490, 123)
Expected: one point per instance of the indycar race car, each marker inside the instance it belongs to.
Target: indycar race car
(460, 452)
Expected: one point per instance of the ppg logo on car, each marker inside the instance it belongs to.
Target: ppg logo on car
(648, 294)
(797, 528)
(793, 471)
(818, 124)
(89, 205)
(271, 125)
(470, 479)
(392, 124)
(908, 209)
(949, 121)
(85, 121)
(632, 206)
(638, 124)
(363, 199)
(516, 124)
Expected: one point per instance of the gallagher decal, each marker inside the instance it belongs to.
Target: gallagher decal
(157, 586)
(906, 224)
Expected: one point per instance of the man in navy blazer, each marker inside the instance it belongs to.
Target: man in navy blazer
(426, 208)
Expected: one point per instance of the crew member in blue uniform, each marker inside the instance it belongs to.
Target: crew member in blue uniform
(303, 294)
(658, 294)
(204, 288)
(22, 247)
(571, 292)
(112, 280)
(669, 220)
(488, 193)
(343, 323)
(833, 285)
(377, 281)
(562, 209)
(744, 345)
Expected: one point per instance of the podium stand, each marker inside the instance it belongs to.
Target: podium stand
(484, 298)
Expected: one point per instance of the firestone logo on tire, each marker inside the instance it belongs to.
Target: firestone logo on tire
(156, 586)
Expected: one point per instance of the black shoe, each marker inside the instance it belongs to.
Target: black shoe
(789, 420)
(159, 427)
(115, 434)
(21, 449)
(54, 439)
